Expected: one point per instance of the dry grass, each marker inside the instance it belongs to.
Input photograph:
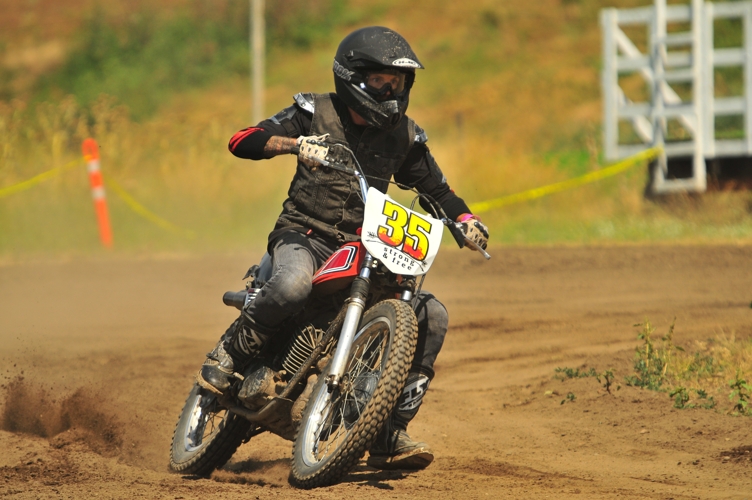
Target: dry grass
(710, 374)
(176, 164)
(712, 363)
(510, 100)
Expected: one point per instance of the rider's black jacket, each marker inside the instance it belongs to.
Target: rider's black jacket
(327, 201)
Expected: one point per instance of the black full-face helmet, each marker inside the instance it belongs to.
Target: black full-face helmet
(374, 69)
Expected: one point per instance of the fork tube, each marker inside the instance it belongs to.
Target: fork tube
(357, 304)
(363, 185)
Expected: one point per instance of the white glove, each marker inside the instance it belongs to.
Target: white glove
(313, 150)
(475, 231)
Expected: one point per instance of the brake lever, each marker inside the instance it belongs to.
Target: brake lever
(474, 245)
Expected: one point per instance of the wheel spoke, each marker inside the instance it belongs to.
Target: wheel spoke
(206, 422)
(341, 411)
(327, 427)
(206, 434)
(361, 362)
(358, 361)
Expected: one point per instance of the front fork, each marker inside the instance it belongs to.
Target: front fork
(356, 306)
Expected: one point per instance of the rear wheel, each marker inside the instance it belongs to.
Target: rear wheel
(338, 427)
(206, 435)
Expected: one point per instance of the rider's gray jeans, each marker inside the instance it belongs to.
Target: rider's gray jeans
(295, 259)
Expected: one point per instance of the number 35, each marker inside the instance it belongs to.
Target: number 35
(409, 230)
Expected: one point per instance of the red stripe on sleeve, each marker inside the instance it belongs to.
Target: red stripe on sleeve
(242, 135)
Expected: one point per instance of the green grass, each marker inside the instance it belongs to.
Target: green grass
(179, 168)
(145, 60)
(510, 100)
(180, 171)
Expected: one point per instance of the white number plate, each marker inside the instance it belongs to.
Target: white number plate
(404, 240)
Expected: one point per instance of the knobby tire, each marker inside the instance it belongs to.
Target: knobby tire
(330, 470)
(215, 450)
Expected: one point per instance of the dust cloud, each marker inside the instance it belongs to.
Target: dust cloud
(29, 408)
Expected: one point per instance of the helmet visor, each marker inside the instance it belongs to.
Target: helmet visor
(384, 84)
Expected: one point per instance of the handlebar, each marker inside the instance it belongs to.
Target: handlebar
(328, 164)
(454, 227)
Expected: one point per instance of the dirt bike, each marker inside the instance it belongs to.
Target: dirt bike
(331, 377)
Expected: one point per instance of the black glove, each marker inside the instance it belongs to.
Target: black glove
(475, 231)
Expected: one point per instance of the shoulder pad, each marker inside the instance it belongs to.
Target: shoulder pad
(285, 115)
(420, 135)
(304, 101)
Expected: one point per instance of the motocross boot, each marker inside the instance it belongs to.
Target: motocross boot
(238, 345)
(394, 449)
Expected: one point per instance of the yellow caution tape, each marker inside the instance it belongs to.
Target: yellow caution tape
(479, 207)
(128, 199)
(532, 194)
(22, 186)
(144, 212)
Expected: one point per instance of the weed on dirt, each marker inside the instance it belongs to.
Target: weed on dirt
(701, 377)
(605, 378)
(651, 363)
(704, 376)
(565, 373)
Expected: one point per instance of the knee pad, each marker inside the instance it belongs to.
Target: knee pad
(433, 321)
(291, 285)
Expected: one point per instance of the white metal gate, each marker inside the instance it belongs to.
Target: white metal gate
(677, 63)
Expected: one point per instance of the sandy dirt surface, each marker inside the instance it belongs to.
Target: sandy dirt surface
(107, 350)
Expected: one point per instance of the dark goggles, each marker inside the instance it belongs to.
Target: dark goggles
(381, 83)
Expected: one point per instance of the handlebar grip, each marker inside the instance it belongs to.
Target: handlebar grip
(235, 299)
(295, 150)
(457, 233)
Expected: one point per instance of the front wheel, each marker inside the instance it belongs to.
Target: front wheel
(337, 428)
(206, 435)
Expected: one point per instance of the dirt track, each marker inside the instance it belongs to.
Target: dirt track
(128, 334)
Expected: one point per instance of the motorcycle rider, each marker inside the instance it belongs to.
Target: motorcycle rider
(374, 70)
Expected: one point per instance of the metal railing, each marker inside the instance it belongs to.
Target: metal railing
(673, 64)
